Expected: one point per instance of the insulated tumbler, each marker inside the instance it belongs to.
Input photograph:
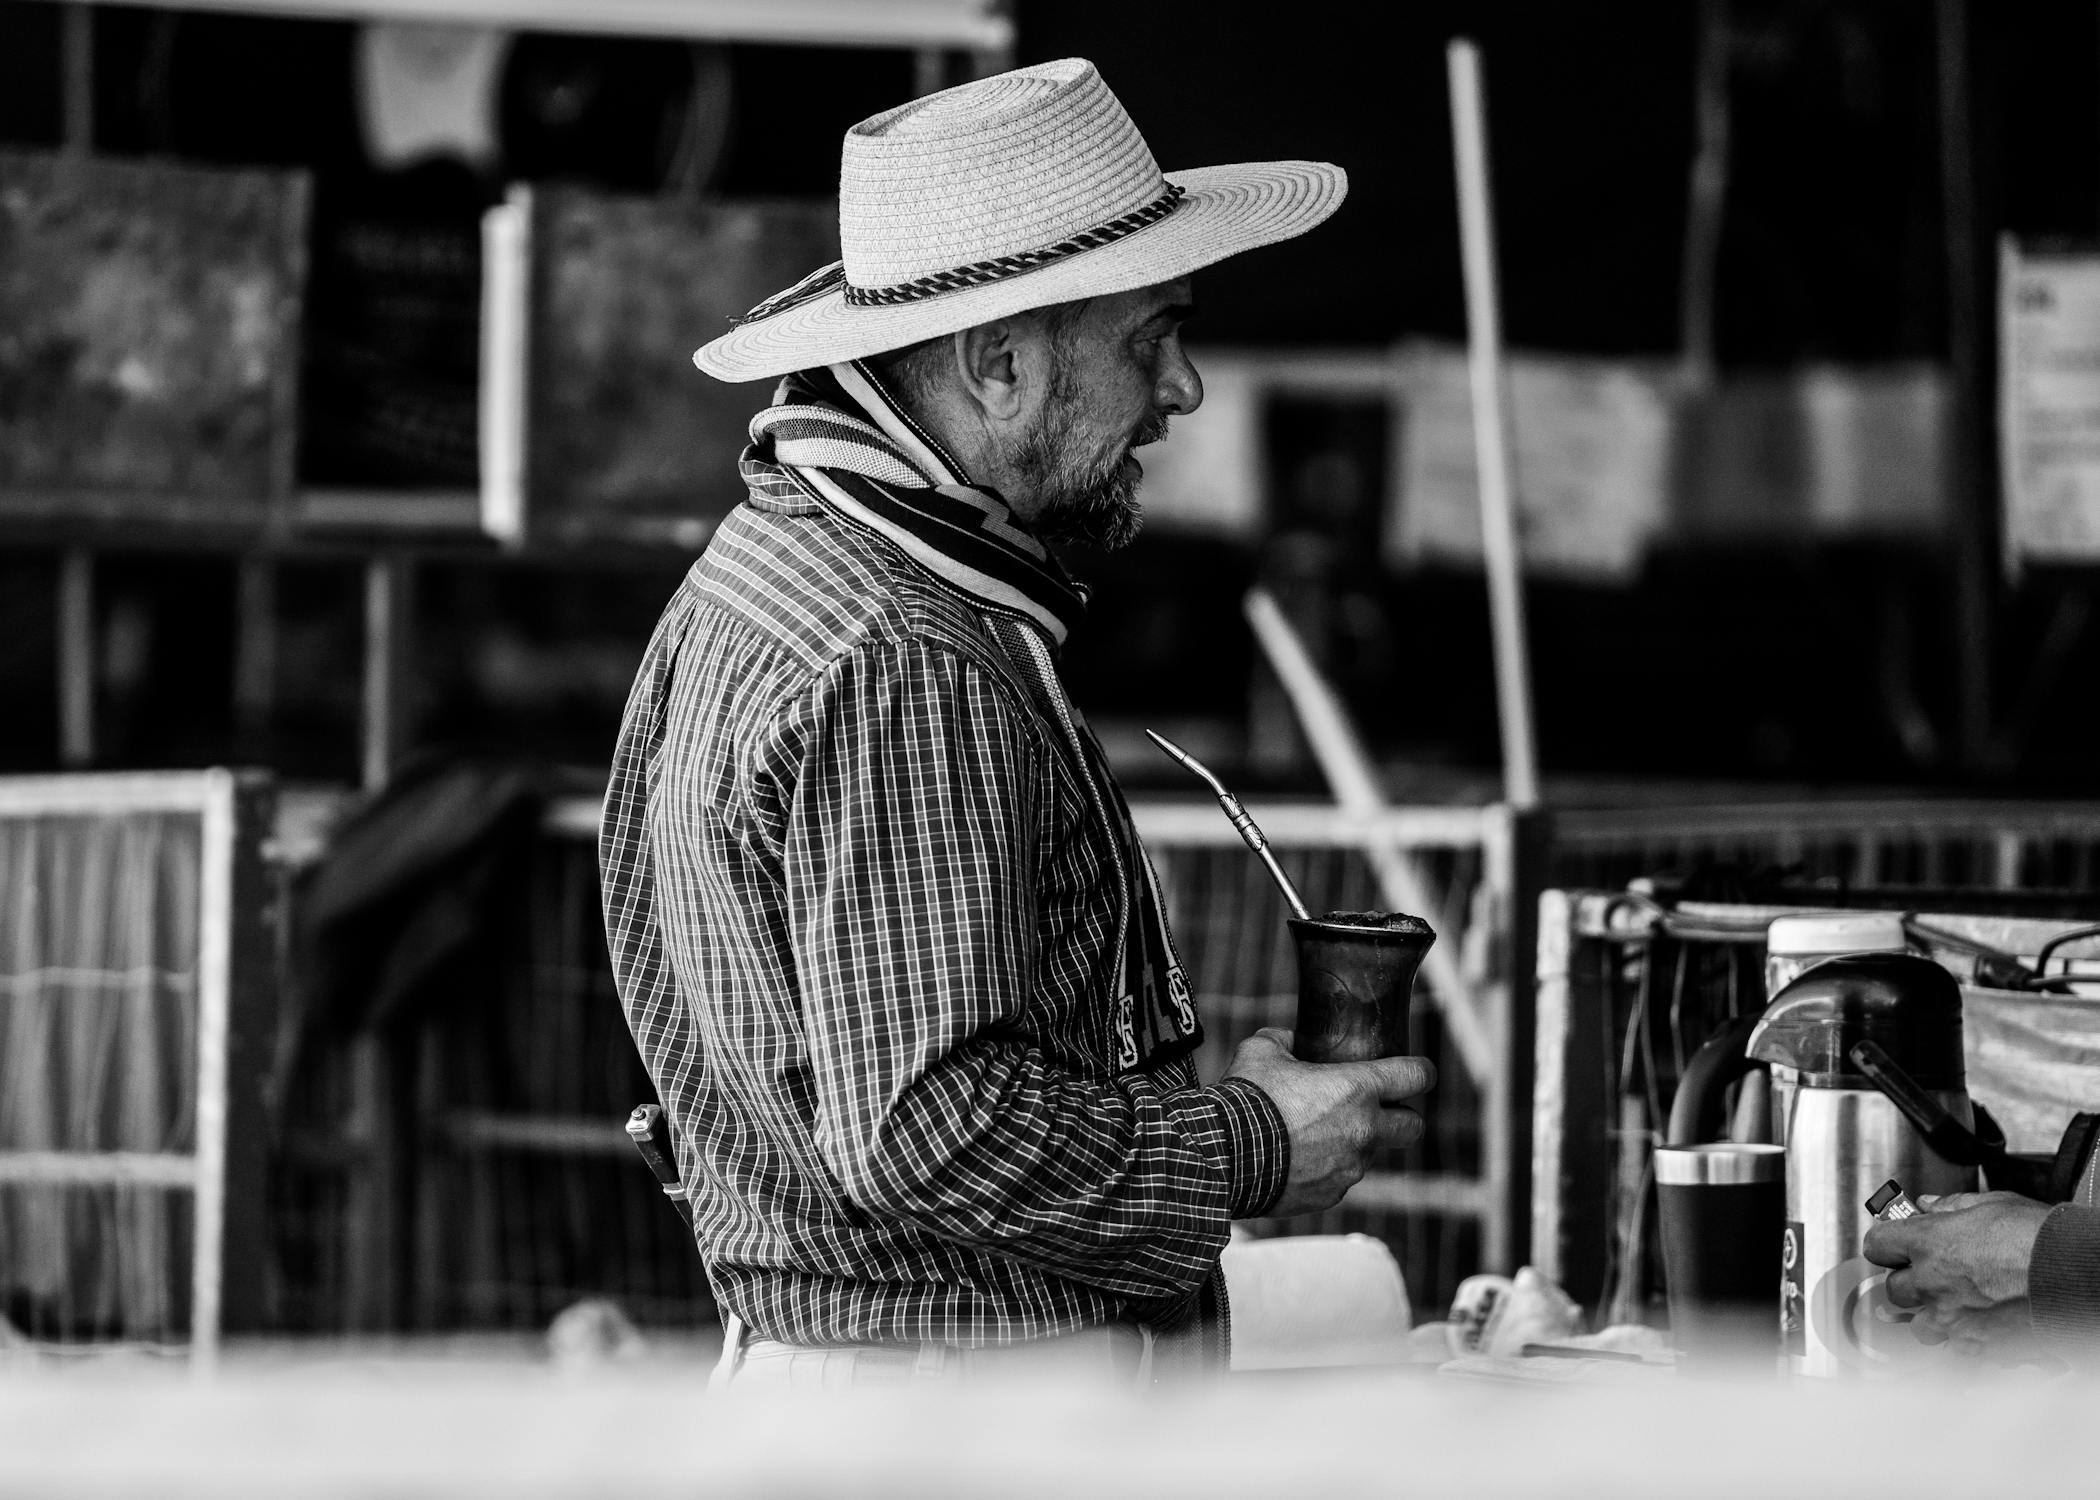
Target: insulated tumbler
(1356, 975)
(1723, 1217)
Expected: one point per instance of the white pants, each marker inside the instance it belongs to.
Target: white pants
(1118, 1354)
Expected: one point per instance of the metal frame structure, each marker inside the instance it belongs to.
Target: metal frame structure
(1976, 843)
(234, 984)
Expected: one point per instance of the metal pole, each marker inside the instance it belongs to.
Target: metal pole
(76, 659)
(929, 71)
(214, 1027)
(1498, 525)
(76, 577)
(77, 75)
(255, 655)
(1975, 532)
(386, 624)
(1706, 199)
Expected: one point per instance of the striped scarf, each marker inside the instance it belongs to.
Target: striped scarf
(841, 438)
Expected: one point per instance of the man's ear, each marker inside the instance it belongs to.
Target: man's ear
(993, 361)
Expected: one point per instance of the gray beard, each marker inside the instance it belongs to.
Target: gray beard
(1095, 505)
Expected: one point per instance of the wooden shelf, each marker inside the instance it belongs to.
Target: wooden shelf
(397, 511)
(971, 25)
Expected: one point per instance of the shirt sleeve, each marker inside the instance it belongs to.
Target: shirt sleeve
(910, 864)
(2063, 1283)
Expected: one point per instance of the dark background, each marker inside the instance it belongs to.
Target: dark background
(1806, 662)
(1789, 664)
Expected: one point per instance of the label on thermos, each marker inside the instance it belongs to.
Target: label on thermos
(1793, 1289)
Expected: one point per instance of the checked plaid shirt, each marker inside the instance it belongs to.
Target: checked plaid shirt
(864, 923)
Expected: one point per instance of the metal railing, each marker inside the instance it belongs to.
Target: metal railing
(511, 1188)
(1922, 842)
(135, 974)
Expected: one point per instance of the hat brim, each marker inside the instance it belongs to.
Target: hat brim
(1228, 209)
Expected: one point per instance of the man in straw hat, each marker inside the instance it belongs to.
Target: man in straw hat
(883, 930)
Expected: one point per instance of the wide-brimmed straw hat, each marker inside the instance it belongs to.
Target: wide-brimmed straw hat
(1017, 191)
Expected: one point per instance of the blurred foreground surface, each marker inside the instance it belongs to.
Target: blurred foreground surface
(371, 1423)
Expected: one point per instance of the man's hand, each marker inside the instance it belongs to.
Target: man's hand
(1963, 1264)
(1336, 1114)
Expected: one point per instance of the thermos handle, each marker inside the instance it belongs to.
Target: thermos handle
(1945, 1134)
(2046, 1177)
(1695, 1114)
(2072, 1153)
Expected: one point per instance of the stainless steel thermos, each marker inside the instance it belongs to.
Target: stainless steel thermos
(1867, 1085)
(1864, 1052)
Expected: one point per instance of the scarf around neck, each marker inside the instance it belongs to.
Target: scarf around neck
(843, 439)
(865, 459)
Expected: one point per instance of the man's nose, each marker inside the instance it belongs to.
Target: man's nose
(1180, 389)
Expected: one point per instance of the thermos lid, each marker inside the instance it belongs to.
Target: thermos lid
(1908, 1005)
(1719, 1164)
(1836, 932)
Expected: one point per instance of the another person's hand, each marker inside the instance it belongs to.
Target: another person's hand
(1963, 1264)
(1336, 1114)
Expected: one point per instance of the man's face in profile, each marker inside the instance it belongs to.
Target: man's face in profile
(1118, 371)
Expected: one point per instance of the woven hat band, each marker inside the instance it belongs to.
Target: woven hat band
(828, 279)
(1001, 267)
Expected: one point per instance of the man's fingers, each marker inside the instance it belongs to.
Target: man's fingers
(1966, 1335)
(1887, 1244)
(1903, 1287)
(1391, 1079)
(1397, 1128)
(1966, 1345)
(1281, 1036)
(1947, 1322)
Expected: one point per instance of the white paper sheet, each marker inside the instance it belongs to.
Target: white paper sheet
(2049, 394)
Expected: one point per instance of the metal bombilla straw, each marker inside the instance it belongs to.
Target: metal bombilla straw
(1248, 831)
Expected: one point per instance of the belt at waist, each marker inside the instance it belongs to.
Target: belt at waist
(1119, 1351)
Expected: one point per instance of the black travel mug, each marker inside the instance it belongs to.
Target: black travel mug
(1722, 1209)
